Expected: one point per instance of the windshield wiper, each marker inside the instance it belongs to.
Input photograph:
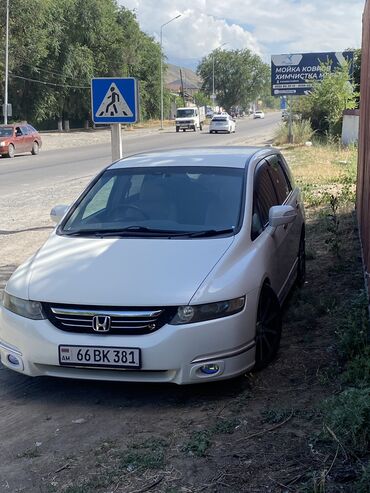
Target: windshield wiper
(211, 232)
(126, 231)
(143, 230)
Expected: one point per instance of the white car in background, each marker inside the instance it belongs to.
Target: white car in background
(170, 267)
(222, 123)
(258, 114)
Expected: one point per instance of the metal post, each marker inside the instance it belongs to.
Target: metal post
(6, 63)
(161, 40)
(290, 133)
(161, 81)
(213, 81)
(116, 141)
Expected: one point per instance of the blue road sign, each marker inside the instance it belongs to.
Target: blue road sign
(292, 74)
(283, 104)
(114, 100)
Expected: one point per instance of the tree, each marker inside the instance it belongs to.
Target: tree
(201, 99)
(328, 99)
(240, 76)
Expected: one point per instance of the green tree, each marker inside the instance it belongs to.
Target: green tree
(201, 99)
(329, 97)
(240, 76)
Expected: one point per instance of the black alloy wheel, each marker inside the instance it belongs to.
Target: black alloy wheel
(268, 327)
(301, 268)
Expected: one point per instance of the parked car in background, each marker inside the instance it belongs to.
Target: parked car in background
(170, 267)
(258, 114)
(18, 138)
(222, 123)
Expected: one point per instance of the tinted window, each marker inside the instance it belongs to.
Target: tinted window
(279, 179)
(264, 198)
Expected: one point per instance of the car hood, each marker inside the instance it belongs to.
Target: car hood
(123, 272)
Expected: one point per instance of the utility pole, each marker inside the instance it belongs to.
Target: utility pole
(161, 42)
(6, 63)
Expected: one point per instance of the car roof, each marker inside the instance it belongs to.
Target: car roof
(228, 156)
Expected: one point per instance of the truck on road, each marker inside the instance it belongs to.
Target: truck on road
(190, 118)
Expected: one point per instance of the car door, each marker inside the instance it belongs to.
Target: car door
(289, 234)
(19, 140)
(27, 138)
(270, 190)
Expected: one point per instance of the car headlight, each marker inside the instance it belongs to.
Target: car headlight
(190, 314)
(2, 143)
(24, 308)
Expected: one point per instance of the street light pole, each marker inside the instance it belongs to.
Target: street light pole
(6, 63)
(161, 41)
(213, 73)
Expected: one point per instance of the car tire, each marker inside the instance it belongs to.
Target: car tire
(268, 327)
(35, 148)
(301, 267)
(11, 151)
(184, 129)
(194, 128)
(177, 129)
(200, 127)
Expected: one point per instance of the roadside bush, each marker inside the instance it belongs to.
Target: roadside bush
(301, 131)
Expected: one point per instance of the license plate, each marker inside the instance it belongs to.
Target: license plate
(98, 356)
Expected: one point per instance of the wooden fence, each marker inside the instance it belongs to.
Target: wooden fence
(363, 177)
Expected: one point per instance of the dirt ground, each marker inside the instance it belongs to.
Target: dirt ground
(259, 433)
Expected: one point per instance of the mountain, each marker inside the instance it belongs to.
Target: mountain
(172, 78)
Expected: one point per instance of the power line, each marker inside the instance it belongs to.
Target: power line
(48, 83)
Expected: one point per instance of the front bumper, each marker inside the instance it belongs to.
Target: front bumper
(4, 149)
(187, 125)
(171, 354)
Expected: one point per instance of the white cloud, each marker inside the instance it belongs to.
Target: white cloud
(266, 26)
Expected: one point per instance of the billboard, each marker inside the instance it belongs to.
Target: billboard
(292, 74)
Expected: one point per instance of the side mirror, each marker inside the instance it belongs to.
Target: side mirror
(58, 212)
(280, 215)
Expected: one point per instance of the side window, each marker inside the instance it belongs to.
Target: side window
(25, 130)
(279, 179)
(264, 198)
(100, 200)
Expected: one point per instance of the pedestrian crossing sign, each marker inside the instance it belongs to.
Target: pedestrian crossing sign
(114, 100)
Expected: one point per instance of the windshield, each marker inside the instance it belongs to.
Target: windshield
(185, 113)
(6, 132)
(162, 199)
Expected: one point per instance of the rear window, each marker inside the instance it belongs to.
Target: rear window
(220, 119)
(6, 131)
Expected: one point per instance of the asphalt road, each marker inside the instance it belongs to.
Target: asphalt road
(26, 170)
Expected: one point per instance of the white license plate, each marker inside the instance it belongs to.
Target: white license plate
(99, 356)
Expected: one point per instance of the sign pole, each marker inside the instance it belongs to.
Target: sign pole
(290, 133)
(116, 141)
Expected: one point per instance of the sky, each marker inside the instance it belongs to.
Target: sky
(264, 26)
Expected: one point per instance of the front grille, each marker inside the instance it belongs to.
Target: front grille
(122, 320)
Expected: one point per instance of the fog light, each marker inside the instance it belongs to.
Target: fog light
(13, 360)
(210, 369)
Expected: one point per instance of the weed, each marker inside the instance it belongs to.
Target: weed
(149, 454)
(275, 415)
(358, 370)
(334, 240)
(198, 443)
(353, 330)
(347, 415)
(225, 425)
(363, 484)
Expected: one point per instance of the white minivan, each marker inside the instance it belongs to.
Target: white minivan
(170, 267)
